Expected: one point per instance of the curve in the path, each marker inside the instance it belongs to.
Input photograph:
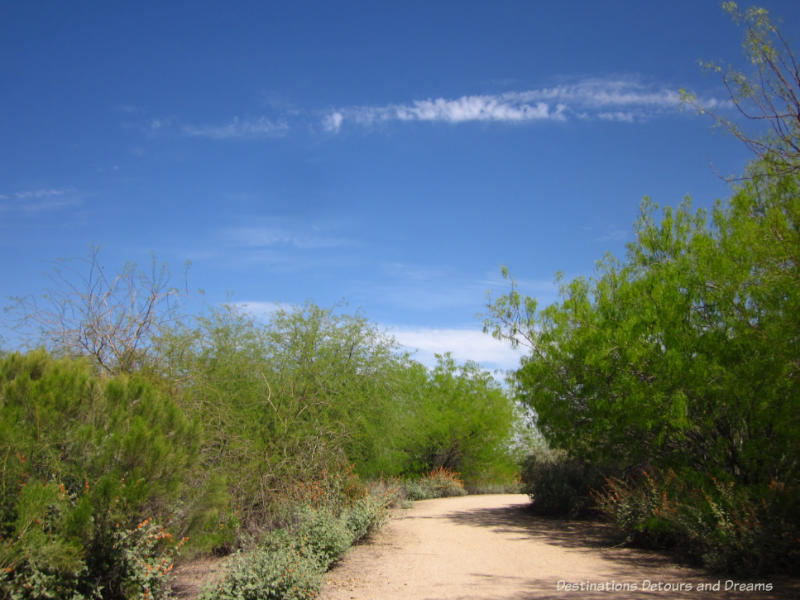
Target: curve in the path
(491, 548)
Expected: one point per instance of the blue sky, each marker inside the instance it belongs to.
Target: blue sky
(389, 155)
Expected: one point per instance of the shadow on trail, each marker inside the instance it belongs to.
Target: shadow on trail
(630, 567)
(518, 519)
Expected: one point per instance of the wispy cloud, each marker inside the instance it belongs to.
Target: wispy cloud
(261, 309)
(458, 110)
(618, 99)
(239, 129)
(288, 245)
(463, 344)
(38, 200)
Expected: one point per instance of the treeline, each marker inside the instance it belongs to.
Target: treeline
(668, 385)
(209, 433)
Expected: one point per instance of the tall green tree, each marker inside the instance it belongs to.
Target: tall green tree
(686, 353)
(460, 419)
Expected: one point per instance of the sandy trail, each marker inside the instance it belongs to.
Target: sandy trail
(490, 548)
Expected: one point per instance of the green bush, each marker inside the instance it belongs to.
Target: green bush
(366, 515)
(87, 460)
(558, 484)
(288, 564)
(322, 536)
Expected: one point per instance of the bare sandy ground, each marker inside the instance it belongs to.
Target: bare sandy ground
(491, 548)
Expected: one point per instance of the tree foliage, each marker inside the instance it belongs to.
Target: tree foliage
(685, 354)
(461, 420)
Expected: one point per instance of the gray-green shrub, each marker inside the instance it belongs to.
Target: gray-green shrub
(365, 516)
(278, 571)
(322, 535)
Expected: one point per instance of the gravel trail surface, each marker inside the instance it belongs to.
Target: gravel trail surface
(491, 548)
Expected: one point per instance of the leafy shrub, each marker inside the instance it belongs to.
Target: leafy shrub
(414, 490)
(559, 485)
(444, 483)
(87, 460)
(43, 561)
(366, 515)
(289, 562)
(277, 571)
(439, 483)
(146, 556)
(322, 536)
(748, 531)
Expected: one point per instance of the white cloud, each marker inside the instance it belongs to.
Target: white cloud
(155, 125)
(611, 99)
(475, 108)
(458, 110)
(333, 121)
(463, 344)
(239, 129)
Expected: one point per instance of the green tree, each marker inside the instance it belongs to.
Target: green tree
(684, 355)
(462, 420)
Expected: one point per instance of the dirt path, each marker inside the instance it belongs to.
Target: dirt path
(490, 548)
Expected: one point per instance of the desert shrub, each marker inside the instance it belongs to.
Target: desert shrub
(87, 459)
(558, 484)
(724, 526)
(414, 490)
(439, 483)
(49, 558)
(276, 571)
(444, 483)
(366, 515)
(641, 508)
(334, 489)
(322, 536)
(288, 563)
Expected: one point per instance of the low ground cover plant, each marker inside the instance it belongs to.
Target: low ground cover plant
(289, 562)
